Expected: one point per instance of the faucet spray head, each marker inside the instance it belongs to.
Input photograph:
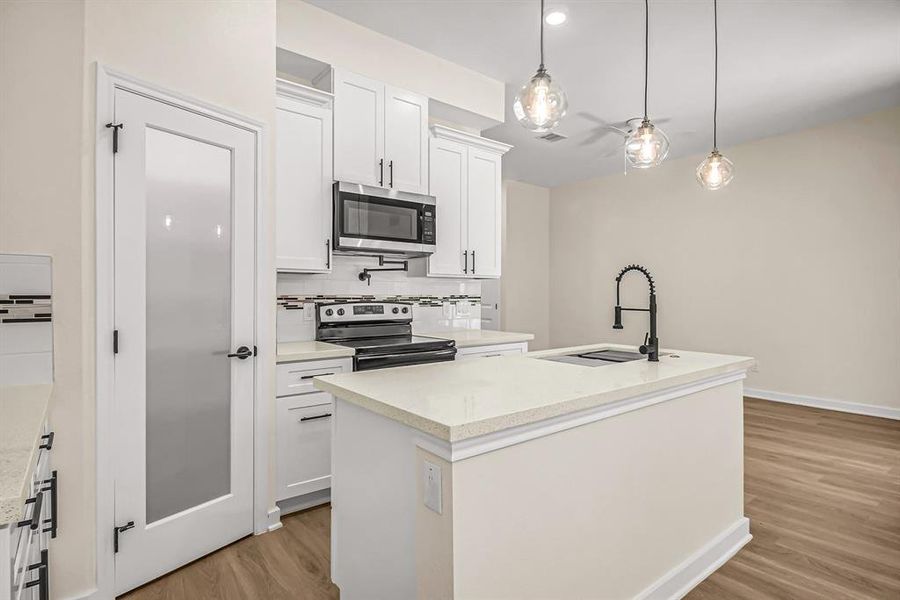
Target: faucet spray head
(618, 323)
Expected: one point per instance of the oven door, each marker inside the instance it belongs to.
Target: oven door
(383, 361)
(370, 219)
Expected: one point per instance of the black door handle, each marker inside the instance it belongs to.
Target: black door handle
(391, 172)
(381, 172)
(242, 353)
(473, 262)
(466, 257)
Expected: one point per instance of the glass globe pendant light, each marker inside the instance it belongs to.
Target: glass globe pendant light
(646, 146)
(541, 103)
(716, 171)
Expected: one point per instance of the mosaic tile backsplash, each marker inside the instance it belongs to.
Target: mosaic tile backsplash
(26, 315)
(438, 304)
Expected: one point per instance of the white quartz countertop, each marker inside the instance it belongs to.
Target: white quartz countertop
(294, 351)
(23, 409)
(462, 399)
(467, 338)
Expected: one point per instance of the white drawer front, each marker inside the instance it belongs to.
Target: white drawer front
(491, 351)
(296, 377)
(304, 444)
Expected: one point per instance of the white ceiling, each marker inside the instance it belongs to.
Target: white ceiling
(784, 65)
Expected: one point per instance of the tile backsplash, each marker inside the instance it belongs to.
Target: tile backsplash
(26, 315)
(438, 304)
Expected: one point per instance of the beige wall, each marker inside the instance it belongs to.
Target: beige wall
(218, 52)
(796, 263)
(41, 210)
(525, 281)
(317, 33)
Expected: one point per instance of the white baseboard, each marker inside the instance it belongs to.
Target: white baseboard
(305, 501)
(274, 519)
(682, 579)
(871, 410)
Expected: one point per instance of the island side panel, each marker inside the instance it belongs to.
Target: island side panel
(606, 510)
(373, 498)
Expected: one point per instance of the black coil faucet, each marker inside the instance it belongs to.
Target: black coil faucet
(650, 346)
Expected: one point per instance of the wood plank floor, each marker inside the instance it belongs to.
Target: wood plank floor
(822, 492)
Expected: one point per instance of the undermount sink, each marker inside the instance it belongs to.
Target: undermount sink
(598, 358)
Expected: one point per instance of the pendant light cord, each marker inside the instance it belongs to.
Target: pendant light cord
(646, 51)
(716, 76)
(542, 36)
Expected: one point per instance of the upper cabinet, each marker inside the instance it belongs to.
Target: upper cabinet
(380, 134)
(465, 178)
(303, 177)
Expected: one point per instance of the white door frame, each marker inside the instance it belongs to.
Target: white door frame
(108, 80)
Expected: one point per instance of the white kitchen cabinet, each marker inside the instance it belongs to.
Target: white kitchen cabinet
(380, 134)
(448, 184)
(303, 427)
(491, 351)
(303, 179)
(304, 444)
(25, 543)
(465, 178)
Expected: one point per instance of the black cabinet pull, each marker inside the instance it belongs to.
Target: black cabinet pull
(381, 172)
(242, 353)
(391, 172)
(35, 520)
(43, 579)
(53, 488)
(466, 257)
(473, 262)
(327, 254)
(49, 443)
(315, 417)
(316, 375)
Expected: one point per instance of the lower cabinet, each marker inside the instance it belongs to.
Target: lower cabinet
(25, 544)
(304, 421)
(491, 351)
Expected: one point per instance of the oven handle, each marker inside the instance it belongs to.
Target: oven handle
(416, 356)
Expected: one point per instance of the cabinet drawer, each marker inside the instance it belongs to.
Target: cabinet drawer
(296, 377)
(491, 351)
(304, 444)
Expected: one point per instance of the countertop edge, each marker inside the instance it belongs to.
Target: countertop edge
(466, 431)
(335, 351)
(418, 422)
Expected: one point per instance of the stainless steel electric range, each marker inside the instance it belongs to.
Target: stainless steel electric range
(381, 334)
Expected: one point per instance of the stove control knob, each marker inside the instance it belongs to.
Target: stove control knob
(405, 310)
(328, 312)
(340, 312)
(396, 310)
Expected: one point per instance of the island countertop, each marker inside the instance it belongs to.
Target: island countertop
(23, 409)
(458, 400)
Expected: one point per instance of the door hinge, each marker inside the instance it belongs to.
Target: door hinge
(115, 127)
(115, 341)
(117, 531)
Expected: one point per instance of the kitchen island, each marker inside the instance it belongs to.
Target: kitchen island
(520, 477)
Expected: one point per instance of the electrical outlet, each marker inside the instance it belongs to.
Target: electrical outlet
(432, 474)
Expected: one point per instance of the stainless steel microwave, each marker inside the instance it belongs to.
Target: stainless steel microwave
(374, 220)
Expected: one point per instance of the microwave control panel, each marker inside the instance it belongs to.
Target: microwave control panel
(428, 225)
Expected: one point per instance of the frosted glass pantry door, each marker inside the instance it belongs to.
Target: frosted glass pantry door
(185, 205)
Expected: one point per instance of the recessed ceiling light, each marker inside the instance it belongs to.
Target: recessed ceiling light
(555, 17)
